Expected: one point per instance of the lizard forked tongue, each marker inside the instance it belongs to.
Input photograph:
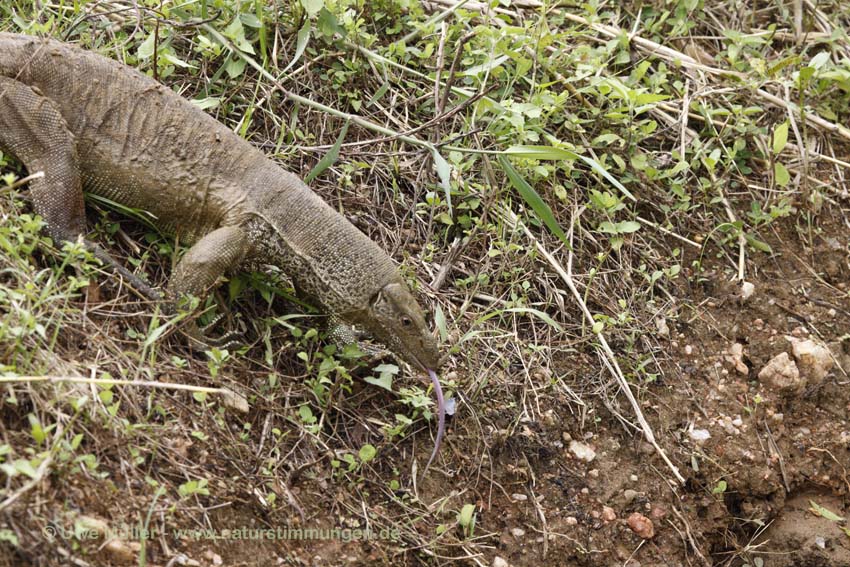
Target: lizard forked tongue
(441, 415)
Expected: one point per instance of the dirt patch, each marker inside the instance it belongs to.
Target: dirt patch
(801, 535)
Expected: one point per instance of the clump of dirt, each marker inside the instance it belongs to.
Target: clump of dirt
(805, 533)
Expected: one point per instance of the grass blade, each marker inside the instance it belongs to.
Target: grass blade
(534, 200)
(554, 154)
(329, 158)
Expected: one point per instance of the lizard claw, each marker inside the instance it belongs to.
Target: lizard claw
(230, 340)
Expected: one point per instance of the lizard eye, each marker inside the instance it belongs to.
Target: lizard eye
(406, 321)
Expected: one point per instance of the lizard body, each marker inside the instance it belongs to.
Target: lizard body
(90, 122)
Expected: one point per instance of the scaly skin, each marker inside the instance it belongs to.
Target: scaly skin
(88, 121)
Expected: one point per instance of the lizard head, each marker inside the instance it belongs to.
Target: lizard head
(395, 318)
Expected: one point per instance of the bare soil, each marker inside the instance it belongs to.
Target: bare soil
(756, 489)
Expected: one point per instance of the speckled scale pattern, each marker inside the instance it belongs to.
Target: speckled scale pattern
(87, 120)
(33, 130)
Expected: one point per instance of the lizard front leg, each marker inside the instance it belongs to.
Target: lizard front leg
(33, 130)
(200, 267)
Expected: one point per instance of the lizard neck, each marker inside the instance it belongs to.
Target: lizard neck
(327, 258)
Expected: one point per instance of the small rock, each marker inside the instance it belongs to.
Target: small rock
(517, 532)
(519, 497)
(661, 327)
(582, 451)
(736, 352)
(499, 562)
(781, 374)
(815, 359)
(593, 473)
(698, 435)
(123, 551)
(92, 526)
(658, 512)
(630, 495)
(641, 525)
(571, 521)
(608, 514)
(689, 350)
(747, 290)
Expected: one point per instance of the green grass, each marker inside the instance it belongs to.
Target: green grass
(430, 127)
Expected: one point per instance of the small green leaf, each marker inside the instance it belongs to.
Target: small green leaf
(382, 90)
(825, 513)
(36, 430)
(780, 137)
(385, 381)
(541, 153)
(491, 63)
(207, 103)
(720, 488)
(193, 487)
(146, 49)
(533, 199)
(306, 414)
(328, 23)
(440, 323)
(444, 171)
(820, 59)
(251, 20)
(9, 536)
(552, 153)
(466, 514)
(758, 244)
(781, 174)
(300, 44)
(367, 453)
(329, 158)
(313, 6)
(234, 67)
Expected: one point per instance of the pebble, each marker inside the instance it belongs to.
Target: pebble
(630, 495)
(781, 374)
(699, 435)
(814, 359)
(747, 290)
(571, 521)
(499, 562)
(608, 514)
(517, 532)
(736, 352)
(519, 497)
(582, 451)
(641, 525)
